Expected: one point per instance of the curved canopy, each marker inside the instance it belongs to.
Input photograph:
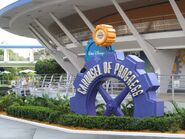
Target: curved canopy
(17, 16)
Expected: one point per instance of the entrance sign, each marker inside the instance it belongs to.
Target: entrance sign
(103, 63)
(129, 70)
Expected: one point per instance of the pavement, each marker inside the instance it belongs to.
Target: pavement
(14, 128)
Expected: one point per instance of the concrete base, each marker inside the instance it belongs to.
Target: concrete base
(41, 131)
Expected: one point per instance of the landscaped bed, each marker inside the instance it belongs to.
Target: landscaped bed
(56, 111)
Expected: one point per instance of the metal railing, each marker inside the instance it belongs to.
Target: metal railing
(172, 86)
(52, 84)
(5, 82)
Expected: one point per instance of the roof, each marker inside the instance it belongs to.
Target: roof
(17, 16)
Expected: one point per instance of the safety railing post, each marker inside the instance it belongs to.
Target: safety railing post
(112, 91)
(173, 89)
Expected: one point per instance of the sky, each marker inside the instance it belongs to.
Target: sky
(7, 38)
(4, 3)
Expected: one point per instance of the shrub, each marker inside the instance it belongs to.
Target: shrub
(58, 111)
(59, 104)
(167, 123)
(4, 91)
(30, 112)
(63, 104)
(48, 66)
(181, 112)
(128, 108)
(9, 100)
(183, 122)
(122, 123)
(38, 101)
(54, 117)
(171, 123)
(100, 108)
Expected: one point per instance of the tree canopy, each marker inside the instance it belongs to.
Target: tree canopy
(48, 66)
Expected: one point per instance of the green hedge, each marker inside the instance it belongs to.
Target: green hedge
(180, 111)
(166, 123)
(31, 112)
(122, 123)
(9, 100)
(183, 123)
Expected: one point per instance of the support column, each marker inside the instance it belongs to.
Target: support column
(167, 59)
(178, 14)
(66, 65)
(147, 48)
(78, 62)
(161, 60)
(31, 55)
(66, 31)
(84, 18)
(37, 35)
(6, 55)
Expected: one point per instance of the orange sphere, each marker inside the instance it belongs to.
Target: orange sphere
(104, 35)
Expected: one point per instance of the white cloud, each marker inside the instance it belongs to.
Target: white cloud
(12, 39)
(4, 3)
(7, 38)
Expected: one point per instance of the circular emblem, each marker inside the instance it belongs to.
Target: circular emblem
(104, 35)
(100, 35)
(129, 70)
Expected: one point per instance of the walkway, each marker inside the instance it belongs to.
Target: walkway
(13, 128)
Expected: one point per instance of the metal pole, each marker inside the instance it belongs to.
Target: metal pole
(84, 18)
(78, 62)
(173, 89)
(149, 50)
(111, 84)
(66, 65)
(65, 30)
(178, 14)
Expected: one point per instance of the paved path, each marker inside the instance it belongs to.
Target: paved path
(13, 128)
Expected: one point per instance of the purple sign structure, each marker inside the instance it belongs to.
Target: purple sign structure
(129, 70)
